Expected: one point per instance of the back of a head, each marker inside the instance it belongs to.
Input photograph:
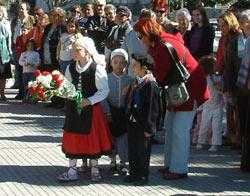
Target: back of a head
(147, 13)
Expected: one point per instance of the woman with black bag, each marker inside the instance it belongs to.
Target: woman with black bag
(178, 120)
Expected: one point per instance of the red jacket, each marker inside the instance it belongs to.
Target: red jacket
(220, 55)
(20, 45)
(196, 84)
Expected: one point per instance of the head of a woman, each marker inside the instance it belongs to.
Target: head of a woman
(57, 16)
(160, 7)
(183, 18)
(148, 31)
(3, 13)
(200, 17)
(228, 24)
(245, 22)
(43, 20)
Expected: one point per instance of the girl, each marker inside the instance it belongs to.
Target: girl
(29, 60)
(212, 109)
(144, 115)
(86, 135)
(64, 48)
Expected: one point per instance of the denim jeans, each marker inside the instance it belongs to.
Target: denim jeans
(177, 140)
(27, 77)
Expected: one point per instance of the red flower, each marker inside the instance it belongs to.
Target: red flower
(31, 90)
(58, 83)
(56, 76)
(38, 72)
(45, 73)
(41, 95)
(39, 88)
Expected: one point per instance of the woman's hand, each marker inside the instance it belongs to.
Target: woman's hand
(84, 103)
(147, 134)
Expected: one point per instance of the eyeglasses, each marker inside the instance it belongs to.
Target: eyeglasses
(76, 11)
(160, 11)
(38, 14)
(140, 37)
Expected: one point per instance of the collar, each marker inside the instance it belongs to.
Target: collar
(80, 69)
(117, 75)
(148, 77)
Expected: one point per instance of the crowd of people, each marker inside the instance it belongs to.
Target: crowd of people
(122, 67)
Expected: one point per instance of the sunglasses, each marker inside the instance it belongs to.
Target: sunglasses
(140, 37)
(76, 11)
(160, 11)
(38, 14)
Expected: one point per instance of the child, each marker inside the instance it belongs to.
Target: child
(144, 115)
(119, 82)
(64, 48)
(20, 47)
(29, 60)
(86, 135)
(213, 108)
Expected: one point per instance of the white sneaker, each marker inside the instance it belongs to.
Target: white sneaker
(199, 146)
(68, 176)
(213, 148)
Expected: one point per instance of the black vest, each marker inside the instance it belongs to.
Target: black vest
(81, 123)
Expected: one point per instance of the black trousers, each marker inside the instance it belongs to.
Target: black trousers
(139, 150)
(243, 106)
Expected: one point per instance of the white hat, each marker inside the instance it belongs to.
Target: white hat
(89, 45)
(119, 52)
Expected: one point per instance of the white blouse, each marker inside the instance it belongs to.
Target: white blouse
(101, 81)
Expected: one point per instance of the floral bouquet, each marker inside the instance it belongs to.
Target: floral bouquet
(52, 84)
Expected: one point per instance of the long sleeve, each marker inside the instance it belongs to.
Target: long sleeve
(101, 82)
(22, 59)
(35, 59)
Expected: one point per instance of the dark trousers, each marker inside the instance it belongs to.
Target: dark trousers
(139, 150)
(243, 106)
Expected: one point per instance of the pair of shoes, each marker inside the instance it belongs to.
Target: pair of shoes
(95, 174)
(67, 177)
(163, 170)
(3, 98)
(130, 179)
(83, 169)
(214, 148)
(199, 146)
(123, 170)
(18, 97)
(141, 181)
(174, 176)
(113, 167)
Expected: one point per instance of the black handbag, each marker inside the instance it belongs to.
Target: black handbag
(175, 89)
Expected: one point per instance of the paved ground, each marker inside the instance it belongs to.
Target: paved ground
(31, 158)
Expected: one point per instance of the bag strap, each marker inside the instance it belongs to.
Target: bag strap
(173, 52)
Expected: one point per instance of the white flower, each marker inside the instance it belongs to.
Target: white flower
(56, 72)
(46, 80)
(38, 78)
(32, 84)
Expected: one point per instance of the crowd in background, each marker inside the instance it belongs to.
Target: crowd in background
(47, 41)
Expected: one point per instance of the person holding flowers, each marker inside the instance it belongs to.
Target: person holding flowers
(86, 134)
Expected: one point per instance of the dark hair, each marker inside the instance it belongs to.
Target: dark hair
(76, 7)
(208, 63)
(88, 3)
(32, 42)
(143, 60)
(123, 10)
(205, 20)
(147, 13)
(73, 22)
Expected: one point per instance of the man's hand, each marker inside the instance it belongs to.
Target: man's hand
(84, 103)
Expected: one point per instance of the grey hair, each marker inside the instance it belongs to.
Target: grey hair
(4, 12)
(245, 15)
(185, 12)
(110, 6)
(147, 13)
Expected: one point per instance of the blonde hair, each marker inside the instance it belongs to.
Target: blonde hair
(4, 12)
(230, 19)
(60, 12)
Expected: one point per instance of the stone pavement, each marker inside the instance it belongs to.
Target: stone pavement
(31, 159)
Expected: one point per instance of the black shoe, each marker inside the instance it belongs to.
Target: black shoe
(123, 170)
(130, 179)
(113, 167)
(141, 181)
(3, 98)
(18, 97)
